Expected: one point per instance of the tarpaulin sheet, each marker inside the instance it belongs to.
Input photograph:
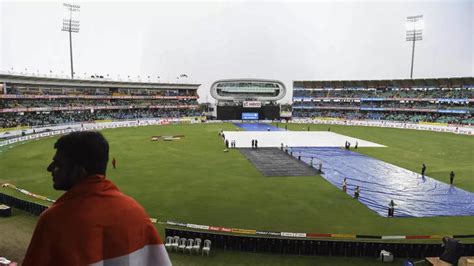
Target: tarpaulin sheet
(380, 182)
(258, 127)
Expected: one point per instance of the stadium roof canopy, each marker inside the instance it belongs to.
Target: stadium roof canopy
(248, 89)
(391, 83)
(88, 83)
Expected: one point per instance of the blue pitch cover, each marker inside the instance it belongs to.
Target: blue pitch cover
(258, 127)
(380, 182)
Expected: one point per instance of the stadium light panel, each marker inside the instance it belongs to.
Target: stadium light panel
(415, 24)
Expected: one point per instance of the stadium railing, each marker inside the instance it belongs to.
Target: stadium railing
(352, 248)
(30, 207)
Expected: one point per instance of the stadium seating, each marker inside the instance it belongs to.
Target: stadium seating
(34, 119)
(206, 247)
(385, 93)
(187, 245)
(168, 243)
(197, 245)
(182, 244)
(190, 245)
(44, 105)
(425, 100)
(464, 119)
(175, 243)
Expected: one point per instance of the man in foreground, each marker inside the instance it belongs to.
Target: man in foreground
(93, 223)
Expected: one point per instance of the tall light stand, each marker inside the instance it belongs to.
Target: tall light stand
(70, 25)
(414, 29)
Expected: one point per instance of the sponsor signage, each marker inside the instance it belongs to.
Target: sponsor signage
(454, 111)
(218, 228)
(372, 109)
(289, 234)
(336, 107)
(453, 100)
(244, 231)
(303, 107)
(249, 116)
(372, 99)
(252, 104)
(198, 226)
(268, 233)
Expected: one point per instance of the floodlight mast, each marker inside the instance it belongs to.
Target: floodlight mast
(71, 26)
(414, 30)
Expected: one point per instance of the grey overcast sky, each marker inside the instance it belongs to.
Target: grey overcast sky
(208, 41)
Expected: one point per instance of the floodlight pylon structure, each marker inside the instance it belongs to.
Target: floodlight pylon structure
(414, 27)
(71, 25)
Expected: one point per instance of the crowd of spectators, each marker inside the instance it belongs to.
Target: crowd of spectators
(99, 91)
(388, 104)
(74, 102)
(466, 119)
(354, 109)
(464, 93)
(122, 108)
(8, 120)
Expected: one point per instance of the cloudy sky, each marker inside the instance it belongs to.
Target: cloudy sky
(209, 41)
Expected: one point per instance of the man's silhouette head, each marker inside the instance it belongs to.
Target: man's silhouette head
(78, 155)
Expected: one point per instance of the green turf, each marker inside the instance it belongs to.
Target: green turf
(193, 180)
(15, 234)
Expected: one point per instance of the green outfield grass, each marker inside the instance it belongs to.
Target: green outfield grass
(193, 180)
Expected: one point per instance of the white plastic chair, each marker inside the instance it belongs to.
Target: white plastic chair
(182, 244)
(189, 245)
(206, 247)
(197, 245)
(169, 242)
(175, 243)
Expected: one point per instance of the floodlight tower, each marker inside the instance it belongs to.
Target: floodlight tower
(414, 27)
(70, 25)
